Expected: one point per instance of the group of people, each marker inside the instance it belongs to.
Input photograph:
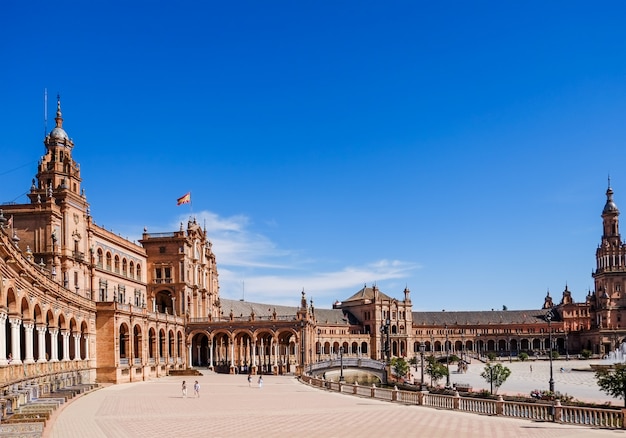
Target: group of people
(196, 389)
(260, 381)
(196, 386)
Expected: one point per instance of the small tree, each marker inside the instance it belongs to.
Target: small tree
(523, 356)
(435, 370)
(491, 355)
(586, 354)
(495, 375)
(400, 366)
(612, 380)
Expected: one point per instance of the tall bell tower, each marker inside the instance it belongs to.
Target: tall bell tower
(610, 274)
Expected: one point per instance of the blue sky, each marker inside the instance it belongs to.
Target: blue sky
(458, 148)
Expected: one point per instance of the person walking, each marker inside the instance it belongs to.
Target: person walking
(260, 382)
(196, 389)
(184, 388)
(250, 380)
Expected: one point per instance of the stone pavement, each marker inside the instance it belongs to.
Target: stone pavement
(579, 384)
(228, 407)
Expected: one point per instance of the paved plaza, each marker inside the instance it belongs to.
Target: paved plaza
(229, 407)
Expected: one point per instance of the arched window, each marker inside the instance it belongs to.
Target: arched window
(131, 270)
(108, 266)
(100, 258)
(124, 267)
(138, 272)
(117, 264)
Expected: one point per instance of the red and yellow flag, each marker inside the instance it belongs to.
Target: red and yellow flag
(185, 199)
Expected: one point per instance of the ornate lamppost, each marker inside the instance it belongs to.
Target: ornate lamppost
(447, 359)
(422, 348)
(549, 317)
(319, 345)
(384, 330)
(341, 363)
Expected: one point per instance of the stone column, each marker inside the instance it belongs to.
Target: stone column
(15, 340)
(28, 342)
(210, 353)
(3, 345)
(41, 342)
(54, 344)
(77, 349)
(65, 354)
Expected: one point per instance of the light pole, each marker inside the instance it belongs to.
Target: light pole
(384, 330)
(549, 317)
(341, 363)
(447, 359)
(319, 345)
(422, 348)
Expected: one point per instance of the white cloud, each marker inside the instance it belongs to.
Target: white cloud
(251, 264)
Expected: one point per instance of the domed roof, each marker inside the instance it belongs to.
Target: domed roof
(59, 133)
(610, 206)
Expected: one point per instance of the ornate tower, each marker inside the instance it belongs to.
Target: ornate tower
(610, 274)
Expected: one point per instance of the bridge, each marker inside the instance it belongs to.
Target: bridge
(363, 364)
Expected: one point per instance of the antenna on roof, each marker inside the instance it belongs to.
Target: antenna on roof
(243, 291)
(45, 112)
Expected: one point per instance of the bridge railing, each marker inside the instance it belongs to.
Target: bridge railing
(594, 417)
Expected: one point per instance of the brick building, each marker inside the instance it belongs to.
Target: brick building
(80, 303)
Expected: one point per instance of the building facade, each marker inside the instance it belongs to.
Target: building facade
(79, 303)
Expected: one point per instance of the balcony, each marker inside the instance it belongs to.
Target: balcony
(77, 255)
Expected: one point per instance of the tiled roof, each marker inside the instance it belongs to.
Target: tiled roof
(480, 317)
(245, 308)
(367, 293)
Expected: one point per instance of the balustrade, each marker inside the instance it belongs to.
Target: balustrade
(594, 417)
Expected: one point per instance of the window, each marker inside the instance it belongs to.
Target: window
(117, 264)
(108, 266)
(124, 268)
(162, 249)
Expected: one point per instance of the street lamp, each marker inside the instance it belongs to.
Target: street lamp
(549, 317)
(384, 330)
(319, 345)
(422, 348)
(341, 363)
(447, 359)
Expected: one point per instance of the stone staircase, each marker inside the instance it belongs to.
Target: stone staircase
(29, 419)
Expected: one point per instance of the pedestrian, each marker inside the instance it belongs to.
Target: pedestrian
(260, 381)
(250, 380)
(531, 369)
(184, 388)
(196, 389)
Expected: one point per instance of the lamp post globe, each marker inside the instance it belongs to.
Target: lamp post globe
(549, 317)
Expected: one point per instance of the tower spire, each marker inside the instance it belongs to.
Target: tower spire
(59, 118)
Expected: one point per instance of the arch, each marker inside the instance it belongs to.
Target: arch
(137, 344)
(123, 337)
(162, 346)
(138, 272)
(25, 310)
(163, 302)
(200, 353)
(11, 301)
(109, 261)
(364, 348)
(152, 344)
(131, 269)
(124, 267)
(99, 258)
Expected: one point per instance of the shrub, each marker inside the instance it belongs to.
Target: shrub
(523, 356)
